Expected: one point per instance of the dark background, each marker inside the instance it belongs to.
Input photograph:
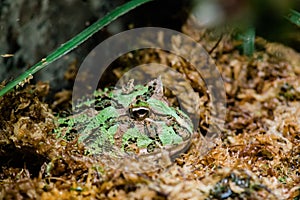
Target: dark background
(32, 29)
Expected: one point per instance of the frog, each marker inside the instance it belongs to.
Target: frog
(136, 120)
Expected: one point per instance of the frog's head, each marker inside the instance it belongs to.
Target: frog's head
(156, 122)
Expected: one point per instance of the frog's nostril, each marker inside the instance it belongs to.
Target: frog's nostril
(139, 113)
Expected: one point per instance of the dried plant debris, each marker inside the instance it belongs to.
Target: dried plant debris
(257, 156)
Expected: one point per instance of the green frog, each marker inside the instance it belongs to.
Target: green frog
(133, 120)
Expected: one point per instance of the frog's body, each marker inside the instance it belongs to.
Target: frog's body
(134, 119)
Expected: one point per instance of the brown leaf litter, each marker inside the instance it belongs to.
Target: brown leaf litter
(257, 156)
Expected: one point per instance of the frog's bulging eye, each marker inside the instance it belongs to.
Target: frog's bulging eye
(139, 113)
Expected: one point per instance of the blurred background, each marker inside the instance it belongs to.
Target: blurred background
(30, 30)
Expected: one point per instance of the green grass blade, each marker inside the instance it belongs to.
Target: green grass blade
(74, 42)
(248, 41)
(294, 17)
(247, 36)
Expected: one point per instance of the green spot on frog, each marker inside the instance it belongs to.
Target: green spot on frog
(142, 140)
(169, 136)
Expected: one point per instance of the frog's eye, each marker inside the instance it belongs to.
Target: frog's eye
(139, 113)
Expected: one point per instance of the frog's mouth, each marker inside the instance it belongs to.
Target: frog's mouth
(142, 133)
(172, 150)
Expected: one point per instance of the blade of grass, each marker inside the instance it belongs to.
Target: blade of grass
(248, 41)
(74, 42)
(247, 36)
(294, 17)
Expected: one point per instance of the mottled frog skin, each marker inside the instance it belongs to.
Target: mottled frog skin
(135, 120)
